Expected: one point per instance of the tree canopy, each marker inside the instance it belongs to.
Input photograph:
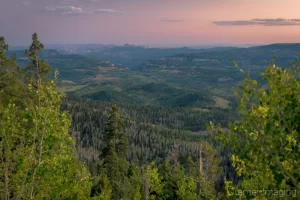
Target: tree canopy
(37, 152)
(266, 140)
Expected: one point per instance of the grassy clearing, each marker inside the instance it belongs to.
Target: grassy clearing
(200, 109)
(68, 82)
(70, 88)
(220, 102)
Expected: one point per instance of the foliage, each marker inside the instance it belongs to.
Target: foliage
(187, 189)
(265, 142)
(37, 152)
(114, 137)
(152, 181)
(105, 188)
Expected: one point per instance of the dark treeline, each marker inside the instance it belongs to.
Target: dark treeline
(184, 118)
(152, 130)
(154, 133)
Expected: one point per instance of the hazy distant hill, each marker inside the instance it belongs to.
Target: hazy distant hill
(170, 76)
(72, 66)
(258, 55)
(281, 47)
(133, 56)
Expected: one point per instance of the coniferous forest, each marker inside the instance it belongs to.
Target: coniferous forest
(155, 141)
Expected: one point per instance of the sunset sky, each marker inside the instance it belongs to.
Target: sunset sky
(151, 22)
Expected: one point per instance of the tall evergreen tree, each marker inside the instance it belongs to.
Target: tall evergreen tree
(3, 49)
(10, 76)
(114, 137)
(37, 69)
(115, 153)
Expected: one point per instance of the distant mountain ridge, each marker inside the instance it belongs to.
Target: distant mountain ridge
(172, 76)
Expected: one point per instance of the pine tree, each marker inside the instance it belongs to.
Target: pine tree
(171, 175)
(10, 84)
(187, 189)
(114, 137)
(115, 153)
(37, 69)
(3, 49)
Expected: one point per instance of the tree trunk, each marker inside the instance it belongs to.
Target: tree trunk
(200, 169)
(6, 183)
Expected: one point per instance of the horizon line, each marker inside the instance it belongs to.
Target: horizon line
(164, 45)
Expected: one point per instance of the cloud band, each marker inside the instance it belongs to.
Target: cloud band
(261, 22)
(171, 20)
(73, 10)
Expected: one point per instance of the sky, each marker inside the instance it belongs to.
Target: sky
(151, 22)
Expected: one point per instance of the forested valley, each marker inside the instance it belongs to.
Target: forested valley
(160, 132)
